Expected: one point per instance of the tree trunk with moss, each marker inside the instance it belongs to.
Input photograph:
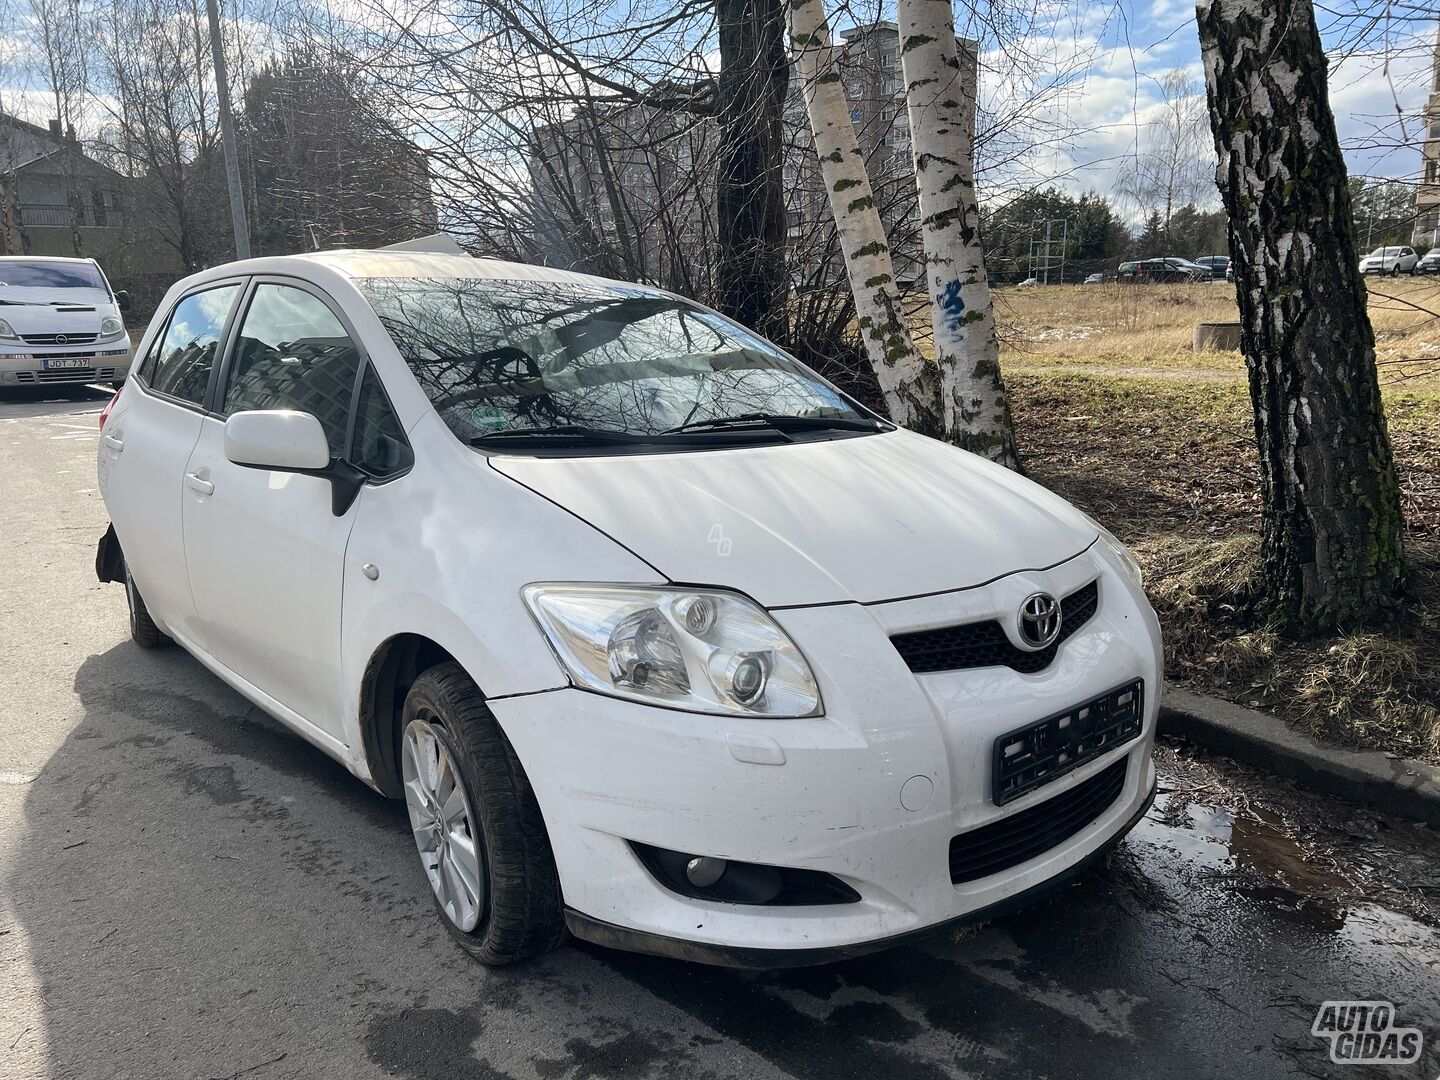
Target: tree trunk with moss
(1330, 548)
(907, 380)
(940, 94)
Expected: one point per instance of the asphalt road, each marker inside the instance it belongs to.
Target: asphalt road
(187, 891)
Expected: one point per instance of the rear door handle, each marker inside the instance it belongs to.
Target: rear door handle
(204, 487)
(113, 443)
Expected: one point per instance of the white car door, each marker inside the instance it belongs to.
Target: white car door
(147, 441)
(264, 549)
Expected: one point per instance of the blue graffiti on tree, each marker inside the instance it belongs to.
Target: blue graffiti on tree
(952, 307)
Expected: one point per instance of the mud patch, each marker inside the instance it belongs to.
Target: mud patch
(85, 804)
(429, 1044)
(631, 1054)
(215, 782)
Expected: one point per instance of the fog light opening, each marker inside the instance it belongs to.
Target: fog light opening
(703, 872)
(709, 877)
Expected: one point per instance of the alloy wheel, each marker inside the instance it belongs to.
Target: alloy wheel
(443, 822)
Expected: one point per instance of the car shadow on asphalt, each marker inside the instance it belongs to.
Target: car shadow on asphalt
(52, 401)
(193, 873)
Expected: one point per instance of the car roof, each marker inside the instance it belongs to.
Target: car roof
(360, 263)
(43, 259)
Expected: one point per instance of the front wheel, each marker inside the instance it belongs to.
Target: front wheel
(1395, 270)
(476, 823)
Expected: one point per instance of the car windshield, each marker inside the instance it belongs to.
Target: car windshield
(1386, 251)
(48, 275)
(496, 356)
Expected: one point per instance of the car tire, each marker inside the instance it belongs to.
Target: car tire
(1395, 270)
(518, 913)
(143, 630)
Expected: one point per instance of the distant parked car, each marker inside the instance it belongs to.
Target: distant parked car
(1216, 264)
(1390, 260)
(1170, 270)
(1126, 272)
(62, 323)
(1095, 279)
(1430, 264)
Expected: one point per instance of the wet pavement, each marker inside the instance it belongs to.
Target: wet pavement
(186, 890)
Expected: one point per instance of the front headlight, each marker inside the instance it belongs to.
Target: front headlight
(8, 332)
(1127, 562)
(111, 327)
(696, 649)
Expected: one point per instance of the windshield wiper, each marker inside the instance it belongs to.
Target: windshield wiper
(563, 436)
(572, 433)
(780, 423)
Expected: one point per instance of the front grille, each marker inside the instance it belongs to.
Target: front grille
(1024, 835)
(984, 644)
(52, 339)
(66, 375)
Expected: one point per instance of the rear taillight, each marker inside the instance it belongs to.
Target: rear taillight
(105, 412)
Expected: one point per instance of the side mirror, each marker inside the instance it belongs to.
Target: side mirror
(285, 440)
(122, 300)
(276, 439)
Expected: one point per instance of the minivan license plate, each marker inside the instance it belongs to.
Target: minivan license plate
(67, 362)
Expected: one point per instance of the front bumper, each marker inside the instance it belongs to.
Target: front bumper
(26, 365)
(740, 956)
(825, 793)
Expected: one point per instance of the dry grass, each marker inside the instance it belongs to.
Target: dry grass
(1369, 689)
(1117, 413)
(1149, 329)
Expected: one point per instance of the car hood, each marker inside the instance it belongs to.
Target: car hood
(876, 517)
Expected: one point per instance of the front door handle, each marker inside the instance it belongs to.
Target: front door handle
(196, 483)
(113, 443)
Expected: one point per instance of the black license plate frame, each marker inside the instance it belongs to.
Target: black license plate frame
(1032, 756)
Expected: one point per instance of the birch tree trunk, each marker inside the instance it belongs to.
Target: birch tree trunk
(1331, 549)
(940, 94)
(908, 381)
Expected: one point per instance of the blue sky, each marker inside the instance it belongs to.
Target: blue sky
(1128, 45)
(1113, 54)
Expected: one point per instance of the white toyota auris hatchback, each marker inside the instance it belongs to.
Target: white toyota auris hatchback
(663, 640)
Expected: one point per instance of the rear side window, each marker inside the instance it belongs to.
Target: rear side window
(181, 365)
(291, 352)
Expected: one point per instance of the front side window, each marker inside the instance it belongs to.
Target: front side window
(180, 364)
(495, 356)
(380, 447)
(291, 352)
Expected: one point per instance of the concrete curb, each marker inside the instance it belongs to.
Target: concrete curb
(1409, 789)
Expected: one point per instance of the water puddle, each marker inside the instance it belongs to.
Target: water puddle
(1327, 883)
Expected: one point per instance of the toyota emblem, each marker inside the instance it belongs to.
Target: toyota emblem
(1039, 620)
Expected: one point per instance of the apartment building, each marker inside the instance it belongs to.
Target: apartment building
(635, 183)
